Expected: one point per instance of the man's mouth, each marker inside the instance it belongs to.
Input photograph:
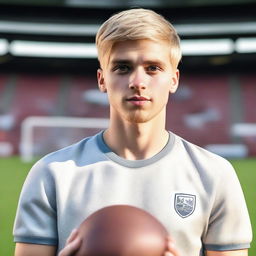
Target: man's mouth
(138, 98)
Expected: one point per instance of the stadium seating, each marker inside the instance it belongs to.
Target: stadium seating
(32, 95)
(202, 116)
(3, 79)
(35, 95)
(249, 98)
(82, 106)
(249, 109)
(200, 110)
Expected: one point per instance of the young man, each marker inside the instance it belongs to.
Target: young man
(135, 161)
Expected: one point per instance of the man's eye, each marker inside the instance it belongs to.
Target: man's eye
(153, 68)
(122, 68)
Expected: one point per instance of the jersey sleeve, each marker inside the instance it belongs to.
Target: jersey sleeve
(35, 220)
(229, 226)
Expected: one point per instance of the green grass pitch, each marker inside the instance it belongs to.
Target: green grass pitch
(13, 173)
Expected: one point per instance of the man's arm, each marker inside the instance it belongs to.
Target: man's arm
(23, 249)
(228, 253)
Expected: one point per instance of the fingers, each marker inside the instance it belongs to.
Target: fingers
(70, 248)
(73, 243)
(72, 236)
(171, 248)
(169, 254)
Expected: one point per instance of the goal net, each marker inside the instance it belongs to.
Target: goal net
(42, 135)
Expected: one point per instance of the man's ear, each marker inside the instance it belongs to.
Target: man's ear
(175, 81)
(101, 80)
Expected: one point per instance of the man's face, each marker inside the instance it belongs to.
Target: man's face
(138, 80)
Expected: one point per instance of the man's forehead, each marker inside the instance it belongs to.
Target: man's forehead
(143, 45)
(136, 56)
(146, 51)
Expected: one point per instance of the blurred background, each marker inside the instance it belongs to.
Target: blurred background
(49, 96)
(48, 65)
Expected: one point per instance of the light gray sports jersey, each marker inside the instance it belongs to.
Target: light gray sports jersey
(193, 192)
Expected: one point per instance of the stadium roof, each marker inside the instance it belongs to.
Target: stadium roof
(225, 29)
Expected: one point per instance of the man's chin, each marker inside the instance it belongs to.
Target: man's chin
(137, 118)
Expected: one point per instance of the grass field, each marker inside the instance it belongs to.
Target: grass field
(13, 173)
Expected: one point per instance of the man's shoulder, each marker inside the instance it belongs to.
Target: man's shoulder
(68, 152)
(77, 152)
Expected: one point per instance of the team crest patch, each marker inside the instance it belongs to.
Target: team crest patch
(184, 204)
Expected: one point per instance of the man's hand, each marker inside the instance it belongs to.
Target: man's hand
(171, 248)
(73, 243)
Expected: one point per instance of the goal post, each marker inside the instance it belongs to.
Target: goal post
(41, 135)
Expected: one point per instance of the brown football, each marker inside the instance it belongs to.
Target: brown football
(122, 230)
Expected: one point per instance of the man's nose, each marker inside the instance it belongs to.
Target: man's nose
(138, 80)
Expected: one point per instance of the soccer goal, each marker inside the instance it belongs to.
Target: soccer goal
(42, 135)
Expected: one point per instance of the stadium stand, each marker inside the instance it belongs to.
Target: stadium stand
(6, 119)
(249, 97)
(82, 106)
(35, 95)
(3, 79)
(200, 110)
(202, 117)
(31, 95)
(248, 83)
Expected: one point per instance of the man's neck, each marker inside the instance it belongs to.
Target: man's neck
(136, 141)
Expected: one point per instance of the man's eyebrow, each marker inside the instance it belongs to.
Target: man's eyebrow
(120, 61)
(154, 62)
(147, 62)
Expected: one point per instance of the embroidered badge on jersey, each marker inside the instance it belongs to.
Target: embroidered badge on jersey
(184, 204)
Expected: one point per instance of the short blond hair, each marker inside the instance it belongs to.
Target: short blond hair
(136, 24)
